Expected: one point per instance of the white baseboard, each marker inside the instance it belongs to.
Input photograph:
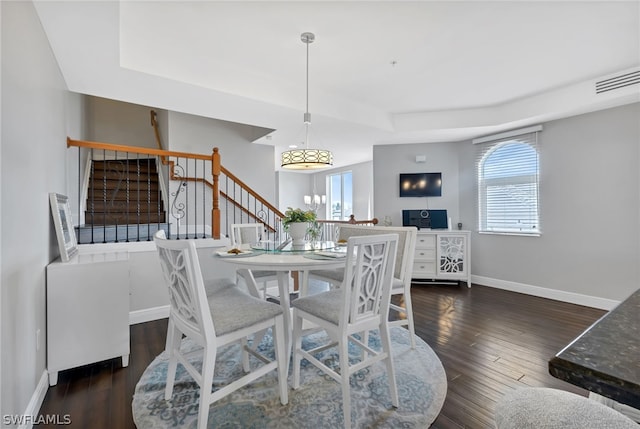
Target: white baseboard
(148, 314)
(558, 295)
(33, 407)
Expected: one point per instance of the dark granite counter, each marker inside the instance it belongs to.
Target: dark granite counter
(605, 358)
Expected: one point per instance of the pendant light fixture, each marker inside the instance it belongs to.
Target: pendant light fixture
(307, 159)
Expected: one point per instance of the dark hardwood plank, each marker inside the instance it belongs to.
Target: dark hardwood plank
(489, 341)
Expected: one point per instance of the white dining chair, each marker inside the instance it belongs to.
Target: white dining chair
(360, 305)
(402, 272)
(242, 236)
(215, 316)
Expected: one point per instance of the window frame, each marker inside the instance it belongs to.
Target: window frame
(505, 177)
(330, 199)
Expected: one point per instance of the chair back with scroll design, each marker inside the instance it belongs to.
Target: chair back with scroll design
(348, 313)
(214, 317)
(407, 237)
(242, 236)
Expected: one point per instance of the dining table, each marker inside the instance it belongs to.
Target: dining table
(605, 358)
(285, 258)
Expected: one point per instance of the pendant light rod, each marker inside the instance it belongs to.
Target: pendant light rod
(307, 38)
(303, 159)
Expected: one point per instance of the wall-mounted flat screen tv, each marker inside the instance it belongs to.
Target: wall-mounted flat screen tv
(420, 184)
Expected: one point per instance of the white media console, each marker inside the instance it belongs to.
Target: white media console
(442, 255)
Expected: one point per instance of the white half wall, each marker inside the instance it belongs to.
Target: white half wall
(148, 293)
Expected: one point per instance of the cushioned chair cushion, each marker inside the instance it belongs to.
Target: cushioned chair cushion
(212, 286)
(335, 275)
(325, 305)
(233, 309)
(543, 408)
(338, 274)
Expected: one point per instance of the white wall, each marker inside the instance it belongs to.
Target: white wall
(35, 123)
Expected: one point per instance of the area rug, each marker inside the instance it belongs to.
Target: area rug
(421, 380)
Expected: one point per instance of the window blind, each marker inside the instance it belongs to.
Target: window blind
(508, 178)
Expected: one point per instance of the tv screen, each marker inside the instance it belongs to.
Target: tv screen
(431, 219)
(420, 184)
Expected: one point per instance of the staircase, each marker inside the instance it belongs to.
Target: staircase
(124, 202)
(207, 199)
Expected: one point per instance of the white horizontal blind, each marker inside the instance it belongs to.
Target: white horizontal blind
(508, 171)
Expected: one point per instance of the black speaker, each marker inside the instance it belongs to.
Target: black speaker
(433, 219)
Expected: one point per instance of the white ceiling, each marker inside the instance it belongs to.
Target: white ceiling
(381, 72)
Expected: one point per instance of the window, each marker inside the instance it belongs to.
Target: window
(508, 170)
(340, 196)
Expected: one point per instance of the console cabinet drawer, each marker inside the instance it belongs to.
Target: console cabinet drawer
(425, 255)
(426, 241)
(424, 269)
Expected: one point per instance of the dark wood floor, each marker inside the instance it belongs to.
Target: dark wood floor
(489, 341)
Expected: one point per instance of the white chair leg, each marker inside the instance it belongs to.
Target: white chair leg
(297, 345)
(364, 337)
(409, 309)
(281, 358)
(245, 354)
(208, 366)
(343, 349)
(174, 338)
(391, 374)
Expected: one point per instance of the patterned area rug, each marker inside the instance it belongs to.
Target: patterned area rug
(422, 386)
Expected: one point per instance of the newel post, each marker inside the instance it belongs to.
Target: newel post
(215, 210)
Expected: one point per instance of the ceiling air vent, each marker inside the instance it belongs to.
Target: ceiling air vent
(617, 82)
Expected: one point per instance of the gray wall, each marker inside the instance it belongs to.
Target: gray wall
(129, 124)
(37, 115)
(589, 190)
(189, 133)
(118, 122)
(111, 121)
(590, 204)
(391, 160)
(292, 187)
(362, 176)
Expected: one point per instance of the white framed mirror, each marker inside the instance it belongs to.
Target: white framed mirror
(61, 213)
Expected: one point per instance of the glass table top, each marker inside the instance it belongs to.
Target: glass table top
(288, 246)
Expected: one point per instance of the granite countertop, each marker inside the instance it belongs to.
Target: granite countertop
(605, 358)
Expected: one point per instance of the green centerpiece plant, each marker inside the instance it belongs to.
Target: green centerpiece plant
(298, 216)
